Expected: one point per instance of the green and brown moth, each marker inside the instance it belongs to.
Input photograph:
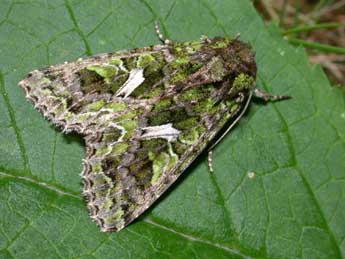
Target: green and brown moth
(145, 115)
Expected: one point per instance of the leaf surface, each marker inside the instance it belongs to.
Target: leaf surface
(294, 205)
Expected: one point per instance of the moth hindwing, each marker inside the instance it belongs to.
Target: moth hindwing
(145, 115)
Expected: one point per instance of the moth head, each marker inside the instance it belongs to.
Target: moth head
(230, 61)
(224, 57)
(239, 57)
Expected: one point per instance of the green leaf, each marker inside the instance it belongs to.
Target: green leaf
(294, 205)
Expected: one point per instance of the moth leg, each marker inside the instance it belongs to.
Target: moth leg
(269, 97)
(160, 34)
(210, 161)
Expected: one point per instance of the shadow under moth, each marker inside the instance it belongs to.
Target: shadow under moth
(145, 115)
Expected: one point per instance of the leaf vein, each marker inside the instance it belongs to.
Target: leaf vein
(196, 239)
(13, 123)
(304, 180)
(77, 28)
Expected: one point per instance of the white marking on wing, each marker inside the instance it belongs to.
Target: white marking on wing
(165, 131)
(136, 77)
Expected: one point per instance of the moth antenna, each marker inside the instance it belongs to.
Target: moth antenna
(269, 97)
(232, 124)
(160, 34)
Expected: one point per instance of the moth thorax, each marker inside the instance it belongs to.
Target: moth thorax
(243, 81)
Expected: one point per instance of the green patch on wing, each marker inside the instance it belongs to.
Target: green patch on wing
(105, 71)
(159, 163)
(244, 81)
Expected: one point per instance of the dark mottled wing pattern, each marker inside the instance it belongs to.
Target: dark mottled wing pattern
(145, 115)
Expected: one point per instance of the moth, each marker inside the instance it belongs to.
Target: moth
(145, 115)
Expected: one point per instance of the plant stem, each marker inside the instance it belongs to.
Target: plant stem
(314, 27)
(318, 46)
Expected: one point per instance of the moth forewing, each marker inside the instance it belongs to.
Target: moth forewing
(145, 114)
